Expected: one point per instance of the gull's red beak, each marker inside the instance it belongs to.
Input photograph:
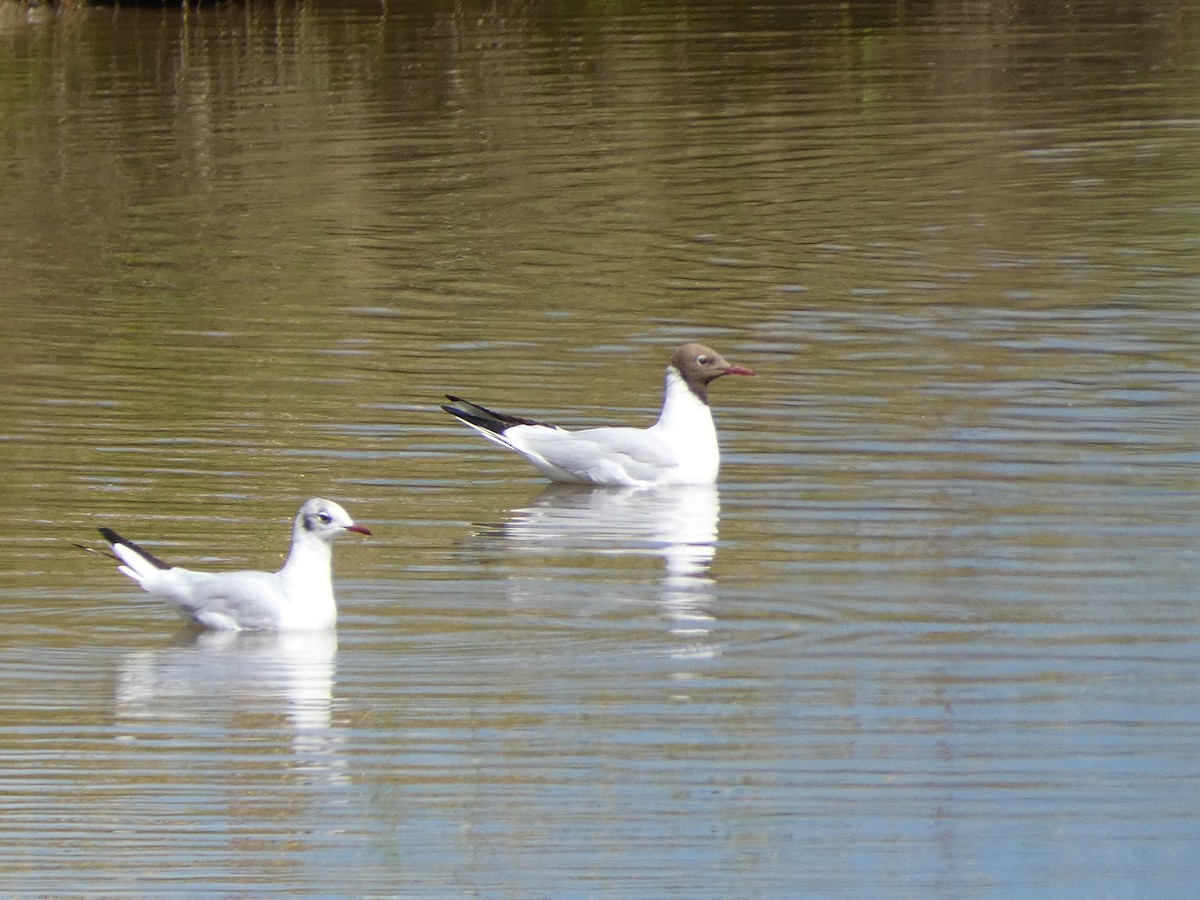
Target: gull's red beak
(358, 529)
(738, 370)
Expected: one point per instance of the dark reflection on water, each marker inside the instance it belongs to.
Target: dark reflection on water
(934, 633)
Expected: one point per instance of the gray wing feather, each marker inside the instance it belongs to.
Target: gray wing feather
(603, 455)
(243, 599)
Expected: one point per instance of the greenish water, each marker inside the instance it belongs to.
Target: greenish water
(934, 634)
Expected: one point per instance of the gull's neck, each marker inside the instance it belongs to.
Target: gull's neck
(310, 559)
(307, 578)
(682, 408)
(686, 426)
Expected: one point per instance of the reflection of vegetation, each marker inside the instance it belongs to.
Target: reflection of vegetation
(193, 194)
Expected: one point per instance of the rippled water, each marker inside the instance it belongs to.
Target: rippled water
(933, 634)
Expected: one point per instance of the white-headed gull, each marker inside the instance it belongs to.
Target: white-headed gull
(680, 448)
(299, 597)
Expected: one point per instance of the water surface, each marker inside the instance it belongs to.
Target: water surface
(933, 634)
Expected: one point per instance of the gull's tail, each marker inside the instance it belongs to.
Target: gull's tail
(485, 419)
(139, 564)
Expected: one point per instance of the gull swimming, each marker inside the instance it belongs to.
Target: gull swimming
(299, 597)
(680, 448)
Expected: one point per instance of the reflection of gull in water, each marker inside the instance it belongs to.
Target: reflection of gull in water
(223, 675)
(678, 524)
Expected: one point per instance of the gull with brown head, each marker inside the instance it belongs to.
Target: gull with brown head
(680, 448)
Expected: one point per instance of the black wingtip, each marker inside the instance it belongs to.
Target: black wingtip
(489, 419)
(487, 423)
(113, 538)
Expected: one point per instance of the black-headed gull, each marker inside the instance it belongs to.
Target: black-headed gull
(299, 597)
(680, 448)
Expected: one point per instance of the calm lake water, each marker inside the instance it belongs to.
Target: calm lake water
(935, 633)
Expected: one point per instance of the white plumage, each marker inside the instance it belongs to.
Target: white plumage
(680, 448)
(299, 597)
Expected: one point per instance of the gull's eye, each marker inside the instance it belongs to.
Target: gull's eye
(702, 360)
(324, 518)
